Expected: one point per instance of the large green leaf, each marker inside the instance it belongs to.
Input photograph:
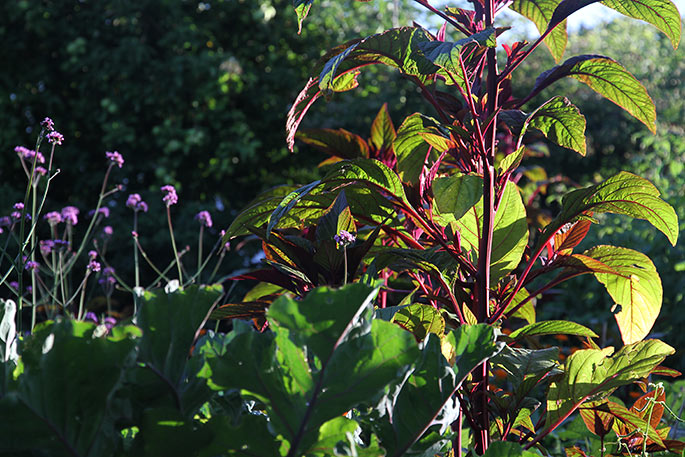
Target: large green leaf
(60, 404)
(336, 142)
(631, 279)
(608, 78)
(561, 122)
(510, 229)
(425, 406)
(663, 14)
(519, 362)
(592, 374)
(382, 130)
(288, 202)
(624, 193)
(420, 320)
(323, 357)
(540, 12)
(508, 449)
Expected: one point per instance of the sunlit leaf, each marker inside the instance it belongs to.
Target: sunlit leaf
(540, 12)
(561, 122)
(663, 14)
(420, 320)
(552, 328)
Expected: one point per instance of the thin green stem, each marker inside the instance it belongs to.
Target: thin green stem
(173, 245)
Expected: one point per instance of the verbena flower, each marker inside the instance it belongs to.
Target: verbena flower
(48, 124)
(171, 198)
(205, 218)
(94, 265)
(59, 244)
(90, 316)
(344, 238)
(70, 215)
(55, 137)
(115, 157)
(41, 171)
(104, 211)
(18, 206)
(5, 221)
(53, 218)
(109, 322)
(108, 230)
(107, 277)
(29, 154)
(136, 203)
(31, 265)
(46, 246)
(92, 254)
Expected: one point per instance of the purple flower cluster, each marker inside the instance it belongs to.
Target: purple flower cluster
(171, 198)
(29, 154)
(344, 238)
(136, 203)
(70, 215)
(107, 278)
(205, 218)
(115, 157)
(47, 246)
(53, 218)
(48, 124)
(16, 214)
(31, 265)
(104, 211)
(93, 265)
(55, 138)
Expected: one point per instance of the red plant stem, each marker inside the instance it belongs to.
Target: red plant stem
(447, 19)
(542, 289)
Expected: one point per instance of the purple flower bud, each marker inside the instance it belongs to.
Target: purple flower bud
(18, 206)
(70, 215)
(5, 221)
(115, 157)
(48, 124)
(14, 284)
(205, 218)
(171, 198)
(53, 218)
(108, 230)
(55, 138)
(90, 316)
(94, 266)
(41, 171)
(136, 203)
(110, 322)
(92, 254)
(31, 265)
(104, 211)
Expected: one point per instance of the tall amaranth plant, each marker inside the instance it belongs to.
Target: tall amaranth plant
(441, 223)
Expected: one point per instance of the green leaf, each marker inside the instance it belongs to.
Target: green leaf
(527, 310)
(624, 193)
(382, 130)
(411, 148)
(425, 406)
(302, 8)
(609, 79)
(510, 229)
(368, 172)
(561, 122)
(552, 328)
(61, 403)
(519, 362)
(323, 357)
(631, 279)
(592, 374)
(446, 54)
(395, 47)
(287, 204)
(336, 218)
(540, 12)
(420, 320)
(662, 14)
(508, 449)
(511, 161)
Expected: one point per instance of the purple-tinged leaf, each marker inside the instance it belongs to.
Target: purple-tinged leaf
(340, 142)
(540, 13)
(565, 9)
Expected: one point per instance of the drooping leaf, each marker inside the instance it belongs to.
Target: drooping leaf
(420, 320)
(336, 142)
(368, 172)
(609, 411)
(561, 122)
(662, 14)
(592, 374)
(287, 204)
(382, 130)
(540, 12)
(631, 279)
(624, 193)
(565, 9)
(519, 362)
(525, 311)
(510, 229)
(553, 328)
(608, 78)
(511, 161)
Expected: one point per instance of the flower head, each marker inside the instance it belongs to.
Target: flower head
(70, 215)
(41, 171)
(46, 246)
(344, 238)
(171, 198)
(31, 265)
(29, 154)
(136, 203)
(108, 230)
(48, 124)
(205, 218)
(115, 157)
(55, 137)
(93, 265)
(53, 218)
(104, 211)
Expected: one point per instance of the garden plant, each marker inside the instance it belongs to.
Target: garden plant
(395, 313)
